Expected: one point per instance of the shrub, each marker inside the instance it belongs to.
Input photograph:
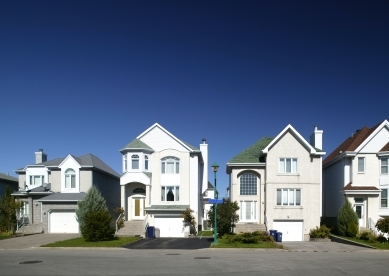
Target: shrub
(97, 226)
(9, 207)
(345, 216)
(364, 236)
(383, 225)
(322, 232)
(189, 220)
(352, 229)
(226, 217)
(120, 211)
(253, 237)
(381, 238)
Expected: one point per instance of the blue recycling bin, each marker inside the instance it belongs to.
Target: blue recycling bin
(273, 233)
(279, 236)
(150, 232)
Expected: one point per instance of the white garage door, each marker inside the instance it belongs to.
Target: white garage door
(63, 222)
(169, 227)
(291, 230)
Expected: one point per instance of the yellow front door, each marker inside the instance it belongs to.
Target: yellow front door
(138, 207)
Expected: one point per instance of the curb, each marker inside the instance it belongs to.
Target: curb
(345, 241)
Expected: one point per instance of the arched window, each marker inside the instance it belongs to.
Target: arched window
(135, 162)
(139, 191)
(170, 165)
(70, 179)
(146, 163)
(248, 184)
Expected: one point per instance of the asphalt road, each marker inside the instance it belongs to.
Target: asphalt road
(171, 243)
(226, 262)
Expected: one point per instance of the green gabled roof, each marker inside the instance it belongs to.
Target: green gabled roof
(251, 154)
(137, 144)
(190, 146)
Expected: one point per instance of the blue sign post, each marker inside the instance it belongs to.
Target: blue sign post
(215, 201)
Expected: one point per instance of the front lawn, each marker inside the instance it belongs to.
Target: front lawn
(205, 233)
(80, 242)
(5, 236)
(373, 244)
(222, 243)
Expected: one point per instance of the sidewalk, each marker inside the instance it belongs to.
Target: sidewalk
(33, 241)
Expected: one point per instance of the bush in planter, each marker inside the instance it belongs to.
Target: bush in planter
(352, 229)
(253, 237)
(322, 232)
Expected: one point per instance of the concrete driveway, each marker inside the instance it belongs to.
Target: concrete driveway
(33, 241)
(322, 247)
(171, 243)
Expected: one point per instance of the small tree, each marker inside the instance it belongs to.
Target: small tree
(94, 218)
(226, 217)
(8, 210)
(93, 201)
(383, 225)
(346, 218)
(189, 219)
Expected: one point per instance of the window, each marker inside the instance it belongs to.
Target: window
(361, 164)
(291, 197)
(170, 193)
(70, 179)
(170, 165)
(125, 162)
(146, 163)
(288, 165)
(37, 180)
(248, 184)
(135, 162)
(384, 198)
(384, 166)
(139, 191)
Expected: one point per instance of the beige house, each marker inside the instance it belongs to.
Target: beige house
(162, 176)
(277, 184)
(50, 189)
(358, 171)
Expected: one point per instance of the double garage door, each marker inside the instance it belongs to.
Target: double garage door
(169, 227)
(291, 230)
(63, 222)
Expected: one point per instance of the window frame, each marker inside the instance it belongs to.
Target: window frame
(282, 169)
(134, 161)
(287, 192)
(165, 190)
(125, 163)
(33, 182)
(382, 166)
(146, 163)
(364, 165)
(72, 176)
(248, 187)
(385, 198)
(174, 165)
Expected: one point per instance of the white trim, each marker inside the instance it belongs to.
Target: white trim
(375, 132)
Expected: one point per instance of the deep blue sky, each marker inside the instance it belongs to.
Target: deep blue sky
(89, 76)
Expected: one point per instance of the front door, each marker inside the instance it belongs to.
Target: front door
(359, 210)
(248, 210)
(138, 207)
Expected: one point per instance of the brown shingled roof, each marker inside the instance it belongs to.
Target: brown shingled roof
(350, 187)
(385, 148)
(351, 143)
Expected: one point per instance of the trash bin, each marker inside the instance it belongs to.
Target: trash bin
(157, 232)
(279, 236)
(273, 233)
(150, 232)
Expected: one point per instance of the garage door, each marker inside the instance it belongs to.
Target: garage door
(169, 227)
(63, 222)
(291, 230)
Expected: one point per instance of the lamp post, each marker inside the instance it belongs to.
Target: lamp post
(215, 166)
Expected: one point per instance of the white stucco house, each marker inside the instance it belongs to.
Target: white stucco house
(50, 189)
(277, 184)
(162, 176)
(358, 170)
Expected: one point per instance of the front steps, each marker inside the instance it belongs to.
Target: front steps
(249, 227)
(132, 228)
(30, 229)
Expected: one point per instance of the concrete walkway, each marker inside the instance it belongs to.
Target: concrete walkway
(322, 247)
(33, 241)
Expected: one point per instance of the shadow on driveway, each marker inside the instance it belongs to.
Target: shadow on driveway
(171, 243)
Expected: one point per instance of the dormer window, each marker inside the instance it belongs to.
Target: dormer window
(170, 165)
(70, 179)
(146, 163)
(135, 162)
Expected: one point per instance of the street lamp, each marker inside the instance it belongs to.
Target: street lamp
(215, 166)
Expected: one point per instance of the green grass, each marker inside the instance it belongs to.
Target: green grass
(205, 233)
(373, 244)
(224, 244)
(4, 236)
(80, 242)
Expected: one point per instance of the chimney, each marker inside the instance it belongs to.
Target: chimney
(316, 138)
(40, 157)
(204, 153)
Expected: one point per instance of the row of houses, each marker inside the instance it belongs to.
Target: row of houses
(279, 182)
